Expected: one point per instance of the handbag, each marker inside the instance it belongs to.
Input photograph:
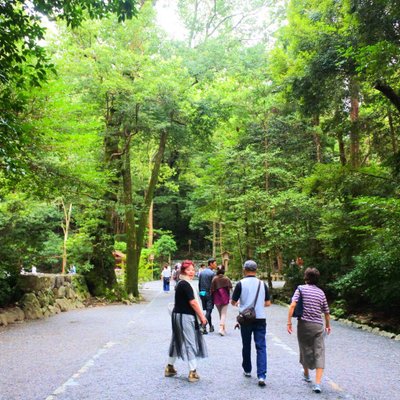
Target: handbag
(298, 311)
(248, 315)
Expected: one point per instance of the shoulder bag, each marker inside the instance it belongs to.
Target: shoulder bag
(248, 315)
(298, 311)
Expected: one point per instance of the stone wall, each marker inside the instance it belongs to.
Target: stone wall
(44, 295)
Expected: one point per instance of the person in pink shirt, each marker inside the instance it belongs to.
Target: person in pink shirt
(220, 291)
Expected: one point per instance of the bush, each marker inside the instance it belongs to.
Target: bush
(8, 281)
(374, 279)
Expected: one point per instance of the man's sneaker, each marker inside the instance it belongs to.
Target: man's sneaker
(306, 377)
(204, 331)
(193, 376)
(211, 328)
(170, 371)
(261, 382)
(247, 374)
(316, 389)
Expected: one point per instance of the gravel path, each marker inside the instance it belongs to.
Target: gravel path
(119, 352)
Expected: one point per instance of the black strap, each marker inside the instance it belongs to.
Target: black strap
(258, 290)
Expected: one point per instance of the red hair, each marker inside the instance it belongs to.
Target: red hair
(185, 265)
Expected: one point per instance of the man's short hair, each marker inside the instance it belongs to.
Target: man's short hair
(250, 265)
(211, 260)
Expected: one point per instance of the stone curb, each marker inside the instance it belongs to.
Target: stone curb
(45, 295)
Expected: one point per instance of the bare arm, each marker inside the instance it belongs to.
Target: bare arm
(290, 314)
(267, 303)
(195, 305)
(327, 323)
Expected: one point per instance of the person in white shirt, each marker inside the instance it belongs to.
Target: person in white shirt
(166, 277)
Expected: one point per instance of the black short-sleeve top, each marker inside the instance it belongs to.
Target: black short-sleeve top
(183, 294)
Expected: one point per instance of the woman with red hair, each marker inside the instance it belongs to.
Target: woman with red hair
(187, 316)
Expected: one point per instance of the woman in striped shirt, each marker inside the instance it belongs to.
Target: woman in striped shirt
(310, 327)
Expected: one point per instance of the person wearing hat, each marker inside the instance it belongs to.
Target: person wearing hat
(245, 293)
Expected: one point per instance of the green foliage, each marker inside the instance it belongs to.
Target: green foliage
(165, 246)
(147, 271)
(339, 308)
(116, 293)
(8, 281)
(120, 246)
(18, 217)
(375, 276)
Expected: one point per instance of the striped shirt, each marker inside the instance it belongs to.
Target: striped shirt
(314, 303)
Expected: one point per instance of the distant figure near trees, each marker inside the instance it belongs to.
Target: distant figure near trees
(166, 277)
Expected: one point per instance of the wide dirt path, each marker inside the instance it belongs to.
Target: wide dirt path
(119, 353)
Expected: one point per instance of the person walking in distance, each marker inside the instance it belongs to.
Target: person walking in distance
(205, 279)
(220, 290)
(246, 291)
(187, 341)
(166, 277)
(310, 327)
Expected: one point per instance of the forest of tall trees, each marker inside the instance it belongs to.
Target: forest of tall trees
(268, 130)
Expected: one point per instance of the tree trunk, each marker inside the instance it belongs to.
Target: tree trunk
(131, 273)
(317, 139)
(220, 238)
(393, 136)
(65, 227)
(194, 21)
(279, 260)
(342, 149)
(389, 93)
(266, 165)
(136, 234)
(102, 276)
(354, 130)
(150, 227)
(214, 239)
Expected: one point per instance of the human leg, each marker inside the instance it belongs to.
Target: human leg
(222, 311)
(209, 319)
(209, 308)
(318, 375)
(319, 356)
(261, 348)
(245, 332)
(306, 374)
